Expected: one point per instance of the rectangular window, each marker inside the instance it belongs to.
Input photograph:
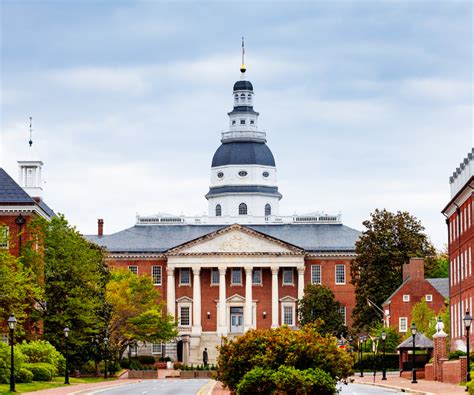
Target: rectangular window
(288, 276)
(236, 276)
(185, 276)
(4, 233)
(214, 276)
(429, 298)
(156, 348)
(133, 269)
(288, 315)
(402, 324)
(30, 177)
(340, 274)
(406, 298)
(342, 312)
(242, 121)
(156, 274)
(315, 274)
(257, 276)
(184, 317)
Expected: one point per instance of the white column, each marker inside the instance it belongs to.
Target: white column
(197, 328)
(222, 302)
(275, 301)
(170, 291)
(248, 299)
(300, 281)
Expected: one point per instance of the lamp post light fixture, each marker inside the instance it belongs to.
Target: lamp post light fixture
(361, 339)
(467, 323)
(384, 370)
(66, 372)
(413, 372)
(106, 343)
(375, 343)
(12, 326)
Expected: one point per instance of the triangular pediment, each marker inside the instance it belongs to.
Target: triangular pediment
(236, 239)
(236, 298)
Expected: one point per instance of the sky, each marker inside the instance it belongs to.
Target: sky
(366, 104)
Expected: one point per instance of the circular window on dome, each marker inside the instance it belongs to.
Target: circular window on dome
(220, 175)
(243, 173)
(266, 174)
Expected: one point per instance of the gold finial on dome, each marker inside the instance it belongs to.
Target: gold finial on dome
(242, 66)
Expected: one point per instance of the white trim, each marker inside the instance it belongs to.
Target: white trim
(335, 273)
(320, 274)
(188, 305)
(429, 298)
(400, 324)
(153, 276)
(232, 276)
(5, 243)
(406, 298)
(283, 283)
(292, 306)
(33, 208)
(181, 284)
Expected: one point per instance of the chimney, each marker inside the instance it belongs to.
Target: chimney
(415, 269)
(100, 227)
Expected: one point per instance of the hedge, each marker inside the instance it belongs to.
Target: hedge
(42, 371)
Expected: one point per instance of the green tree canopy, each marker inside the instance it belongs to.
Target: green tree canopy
(137, 314)
(20, 293)
(437, 266)
(75, 275)
(319, 302)
(390, 239)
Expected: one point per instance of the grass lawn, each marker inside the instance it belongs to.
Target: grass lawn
(44, 385)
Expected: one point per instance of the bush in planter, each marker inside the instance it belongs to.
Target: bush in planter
(146, 359)
(42, 371)
(135, 365)
(178, 365)
(24, 376)
(271, 348)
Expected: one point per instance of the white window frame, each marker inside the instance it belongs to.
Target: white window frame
(293, 317)
(133, 269)
(400, 327)
(406, 298)
(153, 349)
(429, 298)
(232, 270)
(160, 282)
(181, 283)
(214, 270)
(287, 269)
(335, 274)
(4, 236)
(343, 311)
(189, 306)
(257, 269)
(313, 267)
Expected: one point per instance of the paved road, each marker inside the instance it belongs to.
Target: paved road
(360, 389)
(151, 387)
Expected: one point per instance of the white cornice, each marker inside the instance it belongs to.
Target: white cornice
(459, 200)
(33, 208)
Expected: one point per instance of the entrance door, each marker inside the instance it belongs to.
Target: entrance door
(236, 319)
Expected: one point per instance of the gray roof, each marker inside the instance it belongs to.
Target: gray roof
(441, 285)
(160, 238)
(11, 192)
(243, 153)
(421, 341)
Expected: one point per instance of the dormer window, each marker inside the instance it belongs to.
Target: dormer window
(252, 122)
(242, 121)
(233, 122)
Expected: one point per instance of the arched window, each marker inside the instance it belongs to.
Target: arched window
(268, 210)
(218, 210)
(242, 209)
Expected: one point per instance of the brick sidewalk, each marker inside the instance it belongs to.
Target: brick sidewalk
(219, 390)
(80, 387)
(423, 386)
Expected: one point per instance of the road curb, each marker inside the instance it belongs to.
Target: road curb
(210, 387)
(395, 387)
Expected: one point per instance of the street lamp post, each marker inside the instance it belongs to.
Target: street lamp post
(66, 373)
(375, 343)
(361, 339)
(106, 342)
(467, 323)
(384, 370)
(413, 333)
(12, 325)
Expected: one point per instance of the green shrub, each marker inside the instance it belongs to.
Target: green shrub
(456, 354)
(257, 381)
(146, 359)
(271, 348)
(5, 355)
(43, 351)
(24, 376)
(135, 365)
(41, 371)
(125, 363)
(470, 387)
(317, 381)
(88, 367)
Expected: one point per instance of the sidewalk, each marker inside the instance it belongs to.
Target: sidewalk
(75, 388)
(422, 387)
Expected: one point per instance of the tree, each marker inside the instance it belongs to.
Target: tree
(19, 292)
(437, 266)
(390, 239)
(137, 314)
(424, 318)
(319, 302)
(75, 275)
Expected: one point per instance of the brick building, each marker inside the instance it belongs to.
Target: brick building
(243, 265)
(459, 219)
(414, 288)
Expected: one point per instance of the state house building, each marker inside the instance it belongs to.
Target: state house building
(243, 265)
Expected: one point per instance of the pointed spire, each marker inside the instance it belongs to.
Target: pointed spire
(242, 67)
(31, 132)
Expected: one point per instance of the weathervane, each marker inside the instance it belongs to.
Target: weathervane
(31, 132)
(242, 67)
